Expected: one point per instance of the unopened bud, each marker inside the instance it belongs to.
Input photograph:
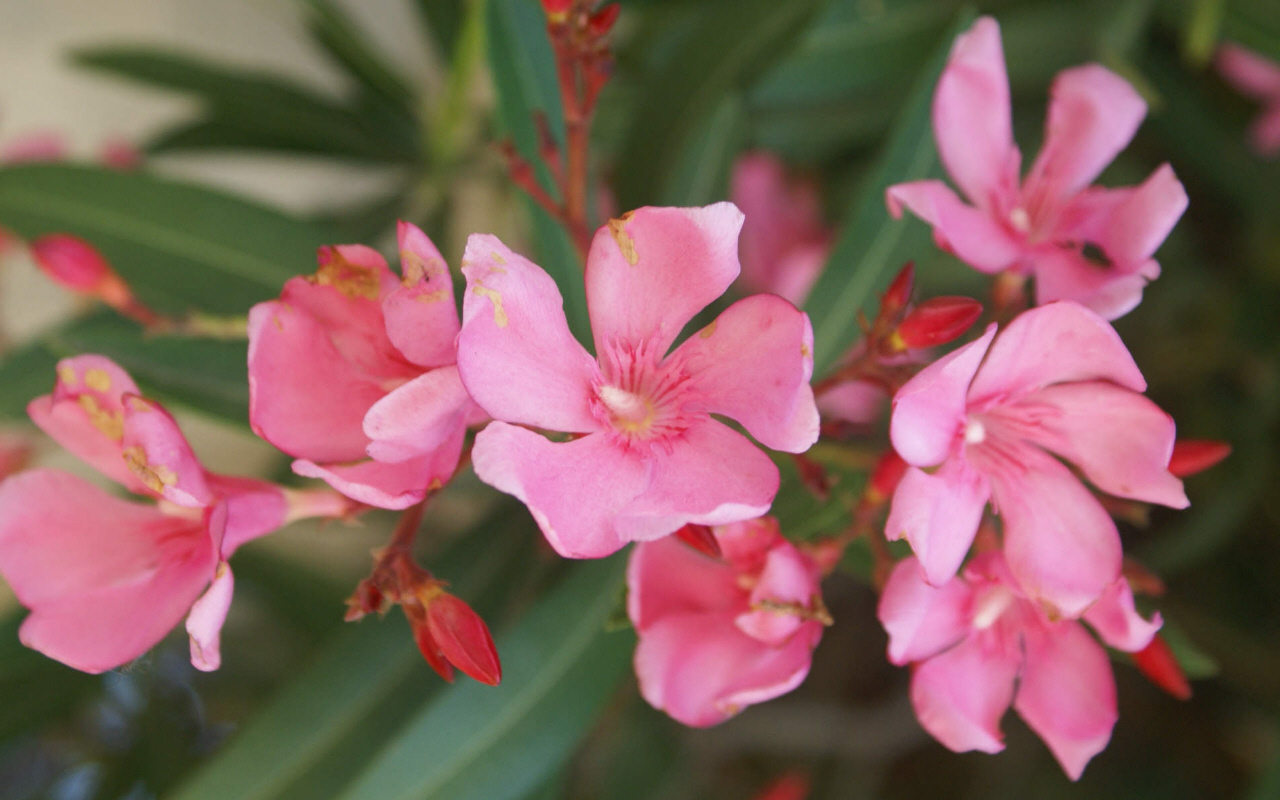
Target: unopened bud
(884, 478)
(791, 786)
(463, 638)
(700, 538)
(601, 22)
(427, 644)
(557, 10)
(937, 321)
(899, 292)
(1161, 667)
(76, 265)
(1196, 455)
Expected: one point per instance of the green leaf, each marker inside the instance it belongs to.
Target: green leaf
(25, 373)
(252, 109)
(872, 247)
(179, 246)
(341, 38)
(732, 44)
(702, 176)
(501, 743)
(524, 75)
(443, 21)
(36, 689)
(330, 719)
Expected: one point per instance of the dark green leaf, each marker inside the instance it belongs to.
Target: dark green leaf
(251, 109)
(25, 373)
(524, 74)
(702, 175)
(733, 43)
(872, 246)
(443, 20)
(181, 247)
(341, 38)
(485, 743)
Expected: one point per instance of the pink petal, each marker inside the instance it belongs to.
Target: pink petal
(1264, 133)
(960, 695)
(1055, 343)
(1121, 440)
(1137, 225)
(798, 271)
(711, 475)
(784, 243)
(972, 235)
(753, 364)
(1093, 115)
(418, 417)
(939, 515)
(858, 402)
(971, 122)
(159, 455)
(1067, 694)
(575, 490)
(1060, 543)
(1118, 623)
(652, 270)
(105, 579)
(1249, 72)
(37, 147)
(516, 355)
(922, 620)
(666, 577)
(1066, 274)
(701, 670)
(254, 508)
(85, 414)
(304, 396)
(930, 409)
(788, 578)
(204, 623)
(421, 316)
(393, 486)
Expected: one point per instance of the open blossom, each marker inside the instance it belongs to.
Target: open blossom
(717, 635)
(1081, 243)
(352, 371)
(105, 578)
(980, 645)
(784, 241)
(1057, 381)
(647, 457)
(1259, 78)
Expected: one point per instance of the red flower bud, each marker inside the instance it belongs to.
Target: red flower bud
(700, 538)
(429, 648)
(937, 321)
(1196, 455)
(898, 294)
(76, 265)
(557, 10)
(463, 638)
(791, 786)
(602, 21)
(1161, 667)
(884, 478)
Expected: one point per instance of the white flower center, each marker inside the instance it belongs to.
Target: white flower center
(975, 432)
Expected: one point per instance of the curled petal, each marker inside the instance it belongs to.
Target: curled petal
(393, 486)
(1056, 343)
(973, 235)
(1061, 544)
(930, 409)
(939, 515)
(421, 316)
(753, 364)
(418, 417)
(666, 577)
(515, 352)
(650, 271)
(971, 117)
(575, 490)
(159, 455)
(254, 508)
(922, 620)
(204, 623)
(1118, 623)
(788, 578)
(960, 695)
(1067, 694)
(1065, 273)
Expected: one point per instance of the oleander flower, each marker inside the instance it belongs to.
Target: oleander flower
(1082, 243)
(645, 454)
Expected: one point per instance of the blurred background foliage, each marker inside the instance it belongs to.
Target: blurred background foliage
(306, 707)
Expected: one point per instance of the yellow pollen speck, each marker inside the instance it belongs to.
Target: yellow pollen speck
(709, 331)
(275, 319)
(625, 243)
(432, 297)
(110, 423)
(495, 298)
(140, 405)
(68, 377)
(805, 352)
(416, 268)
(98, 380)
(350, 279)
(154, 476)
(435, 484)
(497, 257)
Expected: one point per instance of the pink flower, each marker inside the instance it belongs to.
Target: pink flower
(352, 371)
(647, 457)
(980, 645)
(1259, 78)
(1057, 381)
(1081, 243)
(105, 578)
(719, 635)
(784, 240)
